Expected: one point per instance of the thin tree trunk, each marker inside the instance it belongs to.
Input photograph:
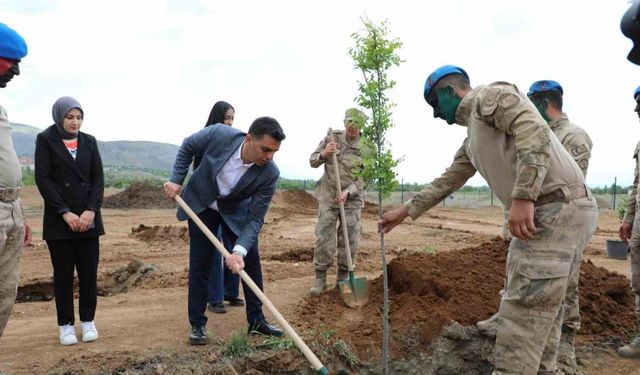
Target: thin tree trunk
(385, 296)
(385, 278)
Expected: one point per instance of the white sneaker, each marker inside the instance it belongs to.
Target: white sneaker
(68, 335)
(89, 331)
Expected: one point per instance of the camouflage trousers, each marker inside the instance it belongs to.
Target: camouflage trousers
(538, 276)
(327, 234)
(634, 247)
(11, 239)
(571, 319)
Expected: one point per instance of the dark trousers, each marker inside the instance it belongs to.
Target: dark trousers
(81, 254)
(222, 282)
(201, 252)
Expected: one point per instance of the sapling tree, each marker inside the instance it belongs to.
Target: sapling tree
(374, 53)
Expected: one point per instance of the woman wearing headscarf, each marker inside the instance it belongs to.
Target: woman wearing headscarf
(224, 285)
(68, 172)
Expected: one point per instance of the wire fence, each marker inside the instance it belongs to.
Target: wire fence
(614, 197)
(478, 199)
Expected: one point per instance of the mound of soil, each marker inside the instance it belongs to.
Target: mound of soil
(370, 208)
(139, 195)
(295, 200)
(428, 292)
(294, 255)
(119, 281)
(607, 305)
(126, 278)
(158, 233)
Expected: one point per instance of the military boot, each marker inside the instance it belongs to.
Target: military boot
(631, 350)
(566, 360)
(489, 326)
(320, 284)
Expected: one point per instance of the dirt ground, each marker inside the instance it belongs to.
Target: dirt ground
(446, 266)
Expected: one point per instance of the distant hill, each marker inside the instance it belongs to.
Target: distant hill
(128, 154)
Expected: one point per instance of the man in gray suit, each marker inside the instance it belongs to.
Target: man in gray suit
(231, 188)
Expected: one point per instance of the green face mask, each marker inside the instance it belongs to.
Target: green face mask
(448, 103)
(542, 105)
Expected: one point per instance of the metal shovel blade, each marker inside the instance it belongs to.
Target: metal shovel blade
(354, 291)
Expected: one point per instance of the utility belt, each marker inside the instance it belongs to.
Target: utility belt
(563, 194)
(9, 194)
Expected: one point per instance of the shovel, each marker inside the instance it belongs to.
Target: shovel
(354, 291)
(315, 362)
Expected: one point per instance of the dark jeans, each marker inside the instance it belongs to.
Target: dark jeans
(201, 252)
(83, 255)
(223, 283)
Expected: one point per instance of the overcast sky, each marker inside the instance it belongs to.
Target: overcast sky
(152, 69)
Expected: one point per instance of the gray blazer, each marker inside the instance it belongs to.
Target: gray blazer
(243, 210)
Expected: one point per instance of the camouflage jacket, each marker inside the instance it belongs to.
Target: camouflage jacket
(10, 173)
(574, 139)
(348, 154)
(633, 194)
(511, 146)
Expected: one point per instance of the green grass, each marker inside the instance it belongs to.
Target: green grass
(277, 343)
(323, 331)
(429, 250)
(238, 345)
(346, 352)
(320, 339)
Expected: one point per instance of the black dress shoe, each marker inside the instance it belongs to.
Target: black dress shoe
(234, 301)
(198, 335)
(217, 307)
(263, 327)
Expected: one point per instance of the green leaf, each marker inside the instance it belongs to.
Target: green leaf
(374, 53)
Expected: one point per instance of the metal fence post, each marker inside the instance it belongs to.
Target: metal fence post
(615, 187)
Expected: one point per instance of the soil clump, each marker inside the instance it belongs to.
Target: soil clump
(161, 233)
(295, 201)
(139, 194)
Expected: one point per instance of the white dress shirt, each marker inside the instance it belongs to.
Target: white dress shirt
(227, 179)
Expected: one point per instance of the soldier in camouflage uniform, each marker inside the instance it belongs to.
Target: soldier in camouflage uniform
(346, 145)
(630, 231)
(14, 231)
(547, 95)
(552, 213)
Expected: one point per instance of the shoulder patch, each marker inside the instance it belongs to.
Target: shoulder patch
(508, 100)
(579, 149)
(583, 164)
(490, 102)
(490, 97)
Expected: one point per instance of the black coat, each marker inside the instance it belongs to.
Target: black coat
(67, 184)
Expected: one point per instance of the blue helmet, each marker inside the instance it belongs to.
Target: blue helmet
(636, 93)
(12, 45)
(630, 27)
(544, 86)
(438, 74)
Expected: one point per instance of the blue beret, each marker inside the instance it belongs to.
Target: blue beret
(12, 46)
(544, 86)
(636, 93)
(438, 74)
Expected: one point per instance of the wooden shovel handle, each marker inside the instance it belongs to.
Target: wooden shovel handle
(343, 217)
